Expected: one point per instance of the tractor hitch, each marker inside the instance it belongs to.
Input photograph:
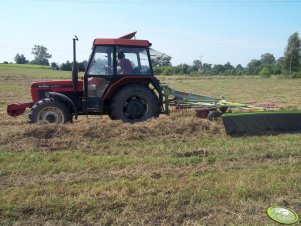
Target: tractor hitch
(18, 108)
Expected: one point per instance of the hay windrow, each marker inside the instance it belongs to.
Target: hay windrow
(107, 129)
(76, 135)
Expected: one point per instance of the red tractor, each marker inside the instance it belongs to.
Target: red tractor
(119, 81)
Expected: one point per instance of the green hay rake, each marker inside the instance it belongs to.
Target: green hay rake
(238, 118)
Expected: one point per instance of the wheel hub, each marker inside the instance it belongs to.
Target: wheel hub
(135, 109)
(51, 115)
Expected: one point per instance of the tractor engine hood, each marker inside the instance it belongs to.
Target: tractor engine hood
(60, 86)
(54, 84)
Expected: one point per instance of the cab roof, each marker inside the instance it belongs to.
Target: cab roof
(125, 40)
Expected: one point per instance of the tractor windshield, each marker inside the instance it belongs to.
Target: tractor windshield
(102, 61)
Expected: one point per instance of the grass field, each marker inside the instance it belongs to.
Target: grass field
(168, 171)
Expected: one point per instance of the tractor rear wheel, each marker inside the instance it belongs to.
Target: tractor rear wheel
(134, 103)
(49, 110)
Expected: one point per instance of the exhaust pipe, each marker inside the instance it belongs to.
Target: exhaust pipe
(74, 66)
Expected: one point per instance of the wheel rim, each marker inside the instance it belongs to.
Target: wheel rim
(135, 108)
(51, 115)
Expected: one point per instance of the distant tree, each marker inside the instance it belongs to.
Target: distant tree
(17, 58)
(239, 67)
(158, 70)
(229, 69)
(276, 69)
(5, 62)
(265, 72)
(254, 67)
(206, 69)
(239, 70)
(66, 66)
(20, 59)
(280, 61)
(228, 66)
(197, 65)
(183, 69)
(268, 58)
(41, 55)
(82, 66)
(54, 66)
(169, 70)
(218, 69)
(178, 69)
(292, 53)
(162, 61)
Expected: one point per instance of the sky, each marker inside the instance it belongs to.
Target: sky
(216, 31)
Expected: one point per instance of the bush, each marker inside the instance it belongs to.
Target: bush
(5, 62)
(82, 66)
(239, 73)
(66, 66)
(196, 74)
(229, 72)
(20, 59)
(167, 71)
(296, 75)
(265, 73)
(54, 66)
(276, 69)
(157, 70)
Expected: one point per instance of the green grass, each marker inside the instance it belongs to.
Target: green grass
(32, 66)
(31, 72)
(169, 171)
(283, 91)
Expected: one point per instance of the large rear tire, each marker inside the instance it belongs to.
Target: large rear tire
(49, 110)
(134, 103)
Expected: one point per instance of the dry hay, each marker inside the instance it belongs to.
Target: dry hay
(71, 136)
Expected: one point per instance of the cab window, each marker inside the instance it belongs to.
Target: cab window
(102, 61)
(132, 61)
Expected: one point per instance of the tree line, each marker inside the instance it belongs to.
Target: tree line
(267, 64)
(289, 63)
(41, 57)
(40, 53)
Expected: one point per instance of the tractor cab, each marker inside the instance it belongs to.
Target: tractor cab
(111, 62)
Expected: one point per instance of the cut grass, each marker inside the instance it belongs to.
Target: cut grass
(169, 171)
(173, 198)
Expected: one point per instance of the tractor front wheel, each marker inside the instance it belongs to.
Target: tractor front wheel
(49, 110)
(134, 103)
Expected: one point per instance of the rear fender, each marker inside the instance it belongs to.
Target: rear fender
(156, 84)
(63, 98)
(113, 88)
